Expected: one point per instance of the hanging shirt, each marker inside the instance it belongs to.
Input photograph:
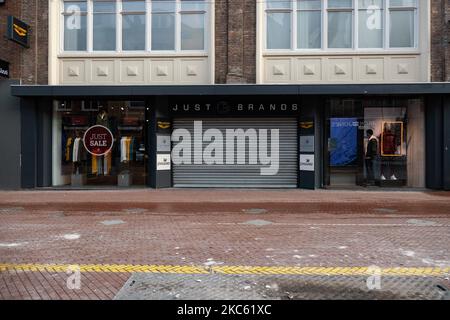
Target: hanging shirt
(76, 150)
(123, 152)
(68, 149)
(389, 145)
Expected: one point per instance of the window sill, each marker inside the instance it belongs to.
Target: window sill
(116, 55)
(341, 53)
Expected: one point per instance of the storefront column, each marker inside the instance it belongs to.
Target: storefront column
(9, 137)
(160, 130)
(446, 144)
(28, 142)
(44, 115)
(309, 157)
(434, 142)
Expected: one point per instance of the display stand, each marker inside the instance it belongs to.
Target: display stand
(125, 179)
(78, 180)
(393, 166)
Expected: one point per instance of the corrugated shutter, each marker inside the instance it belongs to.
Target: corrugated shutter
(238, 175)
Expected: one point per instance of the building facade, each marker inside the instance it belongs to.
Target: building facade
(232, 93)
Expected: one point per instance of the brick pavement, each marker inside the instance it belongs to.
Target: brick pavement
(216, 195)
(288, 228)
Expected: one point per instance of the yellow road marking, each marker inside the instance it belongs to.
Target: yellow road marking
(241, 270)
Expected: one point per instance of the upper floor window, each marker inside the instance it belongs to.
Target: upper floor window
(341, 24)
(134, 25)
(75, 25)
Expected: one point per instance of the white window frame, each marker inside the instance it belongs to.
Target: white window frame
(62, 21)
(326, 10)
(417, 10)
(355, 25)
(91, 25)
(293, 30)
(295, 26)
(208, 30)
(124, 13)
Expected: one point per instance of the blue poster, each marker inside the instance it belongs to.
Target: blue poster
(343, 141)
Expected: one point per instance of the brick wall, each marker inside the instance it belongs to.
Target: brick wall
(440, 40)
(235, 41)
(27, 64)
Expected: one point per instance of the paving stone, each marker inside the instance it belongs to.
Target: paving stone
(11, 209)
(275, 287)
(135, 210)
(255, 211)
(112, 222)
(387, 210)
(258, 223)
(419, 222)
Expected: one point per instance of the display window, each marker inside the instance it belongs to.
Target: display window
(99, 143)
(375, 142)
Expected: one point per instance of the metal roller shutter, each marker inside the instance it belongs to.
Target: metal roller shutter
(238, 175)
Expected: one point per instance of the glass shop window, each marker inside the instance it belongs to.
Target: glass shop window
(375, 142)
(123, 165)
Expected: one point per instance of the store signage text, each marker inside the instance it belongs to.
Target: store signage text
(239, 107)
(306, 162)
(229, 149)
(4, 69)
(18, 31)
(163, 162)
(98, 140)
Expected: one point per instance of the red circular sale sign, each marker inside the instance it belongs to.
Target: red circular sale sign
(98, 140)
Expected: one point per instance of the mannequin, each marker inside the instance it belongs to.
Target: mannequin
(102, 119)
(76, 153)
(101, 165)
(389, 150)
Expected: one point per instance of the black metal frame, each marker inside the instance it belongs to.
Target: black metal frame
(192, 90)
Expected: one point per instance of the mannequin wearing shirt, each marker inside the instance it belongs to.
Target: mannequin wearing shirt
(371, 155)
(389, 149)
(101, 165)
(102, 119)
(76, 152)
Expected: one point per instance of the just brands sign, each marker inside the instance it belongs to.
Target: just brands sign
(239, 107)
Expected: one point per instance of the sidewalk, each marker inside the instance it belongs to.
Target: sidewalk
(228, 200)
(215, 196)
(305, 242)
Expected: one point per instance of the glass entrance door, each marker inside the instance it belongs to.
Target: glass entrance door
(344, 143)
(124, 164)
(374, 142)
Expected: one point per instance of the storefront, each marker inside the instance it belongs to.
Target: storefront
(242, 142)
(122, 163)
(333, 136)
(375, 141)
